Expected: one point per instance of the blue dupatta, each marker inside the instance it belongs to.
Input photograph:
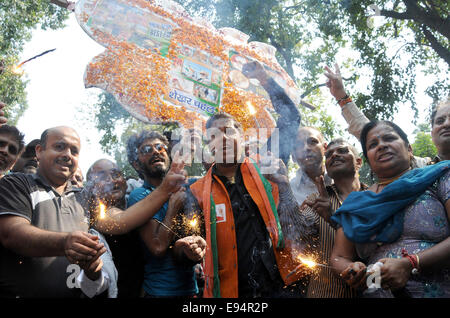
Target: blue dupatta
(378, 217)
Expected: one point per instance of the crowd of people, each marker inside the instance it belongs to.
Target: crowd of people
(241, 228)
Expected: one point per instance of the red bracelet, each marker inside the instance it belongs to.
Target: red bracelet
(344, 100)
(413, 260)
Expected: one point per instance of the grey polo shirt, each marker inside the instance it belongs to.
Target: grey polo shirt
(30, 197)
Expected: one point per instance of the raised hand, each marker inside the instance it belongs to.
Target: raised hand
(175, 177)
(255, 70)
(334, 82)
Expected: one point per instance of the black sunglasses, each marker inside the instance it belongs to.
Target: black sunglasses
(148, 149)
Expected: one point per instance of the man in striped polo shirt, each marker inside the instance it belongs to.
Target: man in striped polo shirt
(41, 221)
(342, 164)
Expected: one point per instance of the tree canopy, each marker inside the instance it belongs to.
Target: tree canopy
(413, 37)
(18, 18)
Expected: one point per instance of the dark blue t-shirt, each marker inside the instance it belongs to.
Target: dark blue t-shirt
(162, 275)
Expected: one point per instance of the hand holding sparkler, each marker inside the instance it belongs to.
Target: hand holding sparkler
(81, 247)
(3, 119)
(193, 247)
(355, 275)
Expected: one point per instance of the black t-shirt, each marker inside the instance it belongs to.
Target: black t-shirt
(30, 197)
(127, 256)
(258, 273)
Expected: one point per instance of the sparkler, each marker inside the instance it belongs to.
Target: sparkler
(17, 69)
(308, 262)
(168, 228)
(102, 210)
(252, 111)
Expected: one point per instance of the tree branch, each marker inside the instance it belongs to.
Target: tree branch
(443, 52)
(309, 91)
(396, 15)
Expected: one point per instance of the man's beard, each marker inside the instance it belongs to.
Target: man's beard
(157, 172)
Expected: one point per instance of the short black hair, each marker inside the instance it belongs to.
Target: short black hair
(372, 124)
(30, 148)
(340, 141)
(15, 134)
(222, 115)
(136, 140)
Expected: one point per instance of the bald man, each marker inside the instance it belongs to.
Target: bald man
(42, 220)
(43, 227)
(308, 153)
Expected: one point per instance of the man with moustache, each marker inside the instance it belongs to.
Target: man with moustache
(168, 272)
(41, 221)
(27, 162)
(342, 163)
(11, 145)
(308, 153)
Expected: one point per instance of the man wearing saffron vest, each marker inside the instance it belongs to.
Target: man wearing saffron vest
(248, 254)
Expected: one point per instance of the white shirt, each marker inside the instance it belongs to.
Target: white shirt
(302, 185)
(90, 287)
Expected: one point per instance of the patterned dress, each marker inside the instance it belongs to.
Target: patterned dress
(425, 225)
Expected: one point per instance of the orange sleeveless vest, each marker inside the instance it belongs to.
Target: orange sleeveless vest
(221, 236)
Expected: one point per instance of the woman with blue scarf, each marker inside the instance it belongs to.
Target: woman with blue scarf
(402, 222)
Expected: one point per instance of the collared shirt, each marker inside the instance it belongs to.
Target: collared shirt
(302, 186)
(323, 283)
(30, 197)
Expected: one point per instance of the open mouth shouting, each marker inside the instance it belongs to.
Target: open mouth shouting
(385, 157)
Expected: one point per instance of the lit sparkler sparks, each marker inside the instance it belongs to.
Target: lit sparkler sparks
(101, 210)
(17, 69)
(250, 107)
(252, 111)
(194, 225)
(305, 261)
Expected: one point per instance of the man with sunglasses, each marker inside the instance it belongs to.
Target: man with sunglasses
(11, 144)
(168, 272)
